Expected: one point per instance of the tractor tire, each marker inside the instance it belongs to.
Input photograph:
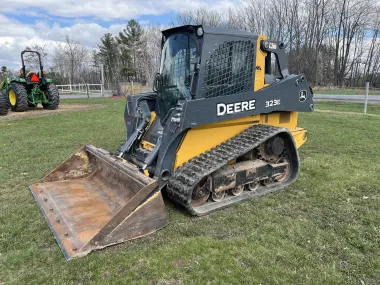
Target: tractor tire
(18, 97)
(53, 97)
(4, 105)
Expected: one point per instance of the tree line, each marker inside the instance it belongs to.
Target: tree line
(332, 42)
(132, 55)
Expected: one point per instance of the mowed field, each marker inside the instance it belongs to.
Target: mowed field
(324, 229)
(343, 91)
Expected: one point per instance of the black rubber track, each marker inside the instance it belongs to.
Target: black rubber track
(4, 105)
(53, 97)
(186, 177)
(21, 97)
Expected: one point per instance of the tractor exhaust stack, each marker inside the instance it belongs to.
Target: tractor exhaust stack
(94, 200)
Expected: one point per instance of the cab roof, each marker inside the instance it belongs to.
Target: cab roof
(208, 30)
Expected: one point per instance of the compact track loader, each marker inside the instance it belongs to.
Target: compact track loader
(219, 128)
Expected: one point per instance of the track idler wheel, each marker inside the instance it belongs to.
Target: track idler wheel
(201, 193)
(267, 181)
(286, 173)
(238, 190)
(217, 197)
(253, 186)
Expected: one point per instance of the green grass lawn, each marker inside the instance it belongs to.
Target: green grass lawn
(344, 107)
(342, 91)
(324, 229)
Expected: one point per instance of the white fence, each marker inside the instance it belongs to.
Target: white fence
(85, 88)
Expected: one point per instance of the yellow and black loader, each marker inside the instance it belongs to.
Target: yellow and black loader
(219, 128)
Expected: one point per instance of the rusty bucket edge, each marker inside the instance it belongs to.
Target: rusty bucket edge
(56, 237)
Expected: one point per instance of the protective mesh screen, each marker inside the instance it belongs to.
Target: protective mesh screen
(230, 69)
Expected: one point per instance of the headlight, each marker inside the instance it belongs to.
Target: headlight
(199, 32)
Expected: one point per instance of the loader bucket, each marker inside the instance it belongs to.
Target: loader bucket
(93, 200)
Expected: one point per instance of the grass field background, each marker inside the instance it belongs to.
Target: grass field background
(324, 229)
(344, 91)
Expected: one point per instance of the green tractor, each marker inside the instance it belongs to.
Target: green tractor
(28, 90)
(4, 105)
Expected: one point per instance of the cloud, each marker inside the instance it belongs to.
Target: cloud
(13, 28)
(111, 9)
(17, 36)
(47, 22)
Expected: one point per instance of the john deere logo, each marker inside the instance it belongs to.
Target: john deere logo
(233, 108)
(303, 95)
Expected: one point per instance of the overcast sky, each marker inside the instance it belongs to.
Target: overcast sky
(26, 22)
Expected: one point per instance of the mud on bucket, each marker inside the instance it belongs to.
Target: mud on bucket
(93, 200)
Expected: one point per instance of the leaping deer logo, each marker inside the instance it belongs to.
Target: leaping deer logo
(303, 95)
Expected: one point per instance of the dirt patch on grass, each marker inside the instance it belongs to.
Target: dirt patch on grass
(118, 97)
(39, 111)
(179, 263)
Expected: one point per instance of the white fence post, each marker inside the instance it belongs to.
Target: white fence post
(366, 97)
(102, 74)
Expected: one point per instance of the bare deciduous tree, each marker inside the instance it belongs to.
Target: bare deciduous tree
(332, 42)
(31, 59)
(71, 60)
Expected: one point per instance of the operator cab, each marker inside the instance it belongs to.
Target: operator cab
(179, 59)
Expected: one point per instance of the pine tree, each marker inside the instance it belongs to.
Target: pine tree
(132, 47)
(108, 54)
